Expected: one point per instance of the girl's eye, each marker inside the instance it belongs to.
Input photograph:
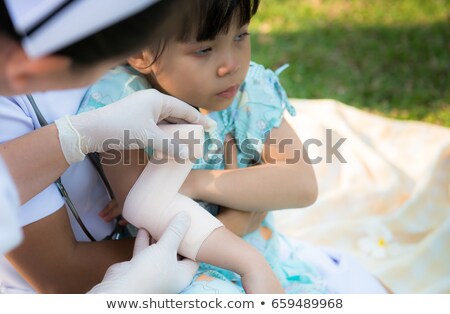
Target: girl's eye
(202, 52)
(241, 36)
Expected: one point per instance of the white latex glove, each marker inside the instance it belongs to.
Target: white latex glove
(138, 114)
(154, 268)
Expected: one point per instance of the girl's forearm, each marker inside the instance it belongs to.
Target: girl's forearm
(258, 188)
(34, 160)
(224, 249)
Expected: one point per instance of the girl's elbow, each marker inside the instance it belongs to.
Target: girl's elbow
(313, 193)
(313, 189)
(308, 193)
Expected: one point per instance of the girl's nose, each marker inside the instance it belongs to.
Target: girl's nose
(230, 66)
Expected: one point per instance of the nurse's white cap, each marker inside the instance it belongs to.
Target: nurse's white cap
(49, 25)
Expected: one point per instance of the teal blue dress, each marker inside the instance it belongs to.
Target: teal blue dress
(257, 109)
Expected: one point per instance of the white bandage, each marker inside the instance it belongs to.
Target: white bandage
(154, 199)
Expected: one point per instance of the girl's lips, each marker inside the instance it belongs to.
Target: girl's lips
(230, 92)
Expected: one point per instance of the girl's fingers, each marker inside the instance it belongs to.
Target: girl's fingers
(110, 212)
(231, 152)
(123, 222)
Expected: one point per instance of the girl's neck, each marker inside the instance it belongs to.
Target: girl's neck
(154, 83)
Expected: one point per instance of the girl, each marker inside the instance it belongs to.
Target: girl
(263, 167)
(153, 209)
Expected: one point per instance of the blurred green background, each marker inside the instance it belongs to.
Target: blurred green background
(389, 57)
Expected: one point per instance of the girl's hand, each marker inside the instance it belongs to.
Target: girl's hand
(111, 212)
(230, 152)
(238, 221)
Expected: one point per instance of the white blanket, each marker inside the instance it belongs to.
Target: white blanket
(387, 201)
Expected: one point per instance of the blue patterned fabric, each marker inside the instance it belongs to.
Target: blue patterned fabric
(116, 84)
(257, 109)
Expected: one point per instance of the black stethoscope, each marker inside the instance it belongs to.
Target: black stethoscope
(119, 230)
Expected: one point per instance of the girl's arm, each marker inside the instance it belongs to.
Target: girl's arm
(52, 261)
(154, 198)
(241, 222)
(122, 177)
(285, 180)
(237, 221)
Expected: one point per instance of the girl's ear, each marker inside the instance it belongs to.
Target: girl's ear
(142, 61)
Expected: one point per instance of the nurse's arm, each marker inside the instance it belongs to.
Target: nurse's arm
(34, 160)
(52, 261)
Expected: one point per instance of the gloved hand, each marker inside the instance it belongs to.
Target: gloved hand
(129, 121)
(154, 268)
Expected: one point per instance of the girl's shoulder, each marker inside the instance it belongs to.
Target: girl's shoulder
(262, 86)
(261, 104)
(113, 86)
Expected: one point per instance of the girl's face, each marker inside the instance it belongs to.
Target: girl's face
(204, 74)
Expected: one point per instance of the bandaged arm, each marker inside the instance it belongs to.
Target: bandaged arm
(154, 199)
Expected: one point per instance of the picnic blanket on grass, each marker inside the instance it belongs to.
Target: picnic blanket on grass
(384, 193)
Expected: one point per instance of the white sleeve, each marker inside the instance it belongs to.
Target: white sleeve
(10, 233)
(15, 121)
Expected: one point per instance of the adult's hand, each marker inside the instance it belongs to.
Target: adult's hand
(154, 268)
(129, 123)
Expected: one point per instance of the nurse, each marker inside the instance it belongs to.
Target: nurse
(10, 233)
(30, 34)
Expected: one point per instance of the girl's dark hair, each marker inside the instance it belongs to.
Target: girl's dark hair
(129, 35)
(208, 18)
(205, 19)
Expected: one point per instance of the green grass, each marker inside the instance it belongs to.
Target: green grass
(390, 57)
